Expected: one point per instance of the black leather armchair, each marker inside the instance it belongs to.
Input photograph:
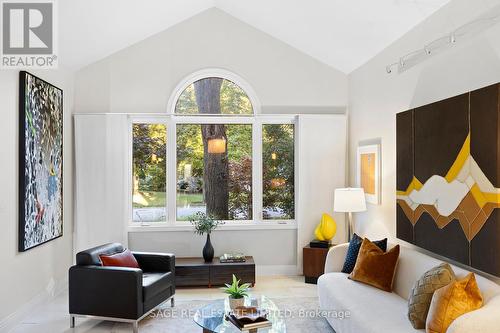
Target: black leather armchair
(119, 293)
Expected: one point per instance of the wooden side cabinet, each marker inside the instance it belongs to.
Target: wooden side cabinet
(191, 272)
(313, 263)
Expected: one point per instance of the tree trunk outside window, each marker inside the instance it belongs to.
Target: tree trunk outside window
(216, 166)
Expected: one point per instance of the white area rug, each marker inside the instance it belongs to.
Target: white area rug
(301, 317)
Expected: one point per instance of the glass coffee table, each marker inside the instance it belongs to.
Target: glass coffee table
(211, 317)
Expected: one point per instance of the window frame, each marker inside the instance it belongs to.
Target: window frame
(171, 120)
(277, 120)
(130, 168)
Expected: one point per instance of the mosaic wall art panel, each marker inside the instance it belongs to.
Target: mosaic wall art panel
(40, 162)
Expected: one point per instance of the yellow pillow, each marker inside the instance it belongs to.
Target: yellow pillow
(451, 301)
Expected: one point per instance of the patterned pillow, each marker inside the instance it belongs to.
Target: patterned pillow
(421, 294)
(353, 251)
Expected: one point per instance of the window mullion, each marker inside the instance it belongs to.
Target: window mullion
(130, 172)
(257, 171)
(171, 171)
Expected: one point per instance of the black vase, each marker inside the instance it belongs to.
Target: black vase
(208, 250)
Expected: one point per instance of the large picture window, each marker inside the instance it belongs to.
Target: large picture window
(214, 171)
(219, 159)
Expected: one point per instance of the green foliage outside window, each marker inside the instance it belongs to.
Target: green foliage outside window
(149, 154)
(233, 100)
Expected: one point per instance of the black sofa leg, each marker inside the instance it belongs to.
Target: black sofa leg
(172, 302)
(72, 321)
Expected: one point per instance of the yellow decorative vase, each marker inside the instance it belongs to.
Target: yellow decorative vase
(326, 229)
(318, 234)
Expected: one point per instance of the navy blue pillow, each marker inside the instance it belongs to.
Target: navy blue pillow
(353, 251)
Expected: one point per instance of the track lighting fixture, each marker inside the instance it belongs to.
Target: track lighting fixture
(411, 59)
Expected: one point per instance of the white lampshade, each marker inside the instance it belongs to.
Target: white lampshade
(349, 200)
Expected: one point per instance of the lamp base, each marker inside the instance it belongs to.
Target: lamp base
(350, 227)
(320, 244)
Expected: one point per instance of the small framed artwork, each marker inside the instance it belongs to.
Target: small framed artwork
(368, 172)
(40, 161)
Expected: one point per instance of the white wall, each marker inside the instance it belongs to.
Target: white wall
(40, 271)
(141, 79)
(273, 250)
(375, 96)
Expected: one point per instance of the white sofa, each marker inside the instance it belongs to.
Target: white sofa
(368, 309)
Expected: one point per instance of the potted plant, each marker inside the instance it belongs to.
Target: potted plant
(204, 224)
(236, 293)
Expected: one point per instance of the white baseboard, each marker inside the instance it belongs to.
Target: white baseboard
(53, 289)
(272, 270)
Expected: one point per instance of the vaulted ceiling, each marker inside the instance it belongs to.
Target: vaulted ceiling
(343, 34)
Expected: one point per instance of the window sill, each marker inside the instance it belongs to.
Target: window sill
(181, 226)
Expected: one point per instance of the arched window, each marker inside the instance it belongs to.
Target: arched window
(213, 95)
(213, 156)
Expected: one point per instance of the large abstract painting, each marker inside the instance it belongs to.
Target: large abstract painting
(40, 162)
(448, 178)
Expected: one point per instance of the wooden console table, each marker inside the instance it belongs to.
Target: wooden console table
(196, 272)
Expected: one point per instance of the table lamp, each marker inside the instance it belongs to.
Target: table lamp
(349, 200)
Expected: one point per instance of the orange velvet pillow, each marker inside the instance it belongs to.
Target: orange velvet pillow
(451, 301)
(374, 266)
(120, 259)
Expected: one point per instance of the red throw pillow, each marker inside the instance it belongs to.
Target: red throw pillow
(120, 259)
